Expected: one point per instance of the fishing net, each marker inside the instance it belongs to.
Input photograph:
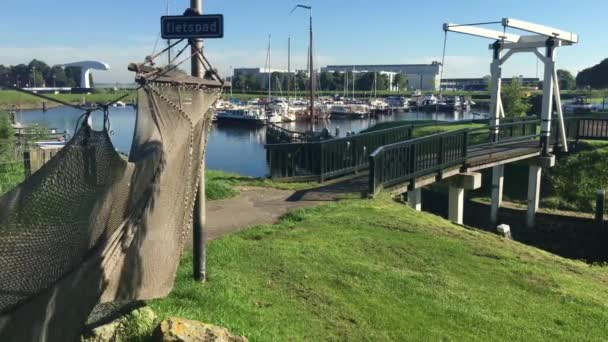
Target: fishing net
(92, 227)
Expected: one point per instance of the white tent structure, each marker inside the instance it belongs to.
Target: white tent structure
(86, 67)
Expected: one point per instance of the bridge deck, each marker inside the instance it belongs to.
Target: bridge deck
(484, 157)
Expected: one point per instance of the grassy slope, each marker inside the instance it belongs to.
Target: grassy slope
(221, 185)
(376, 270)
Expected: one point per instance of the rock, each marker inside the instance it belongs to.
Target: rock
(137, 323)
(183, 330)
(504, 230)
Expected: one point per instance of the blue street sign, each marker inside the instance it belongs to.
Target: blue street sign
(198, 26)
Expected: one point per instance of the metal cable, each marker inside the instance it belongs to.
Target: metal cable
(445, 41)
(478, 24)
(25, 91)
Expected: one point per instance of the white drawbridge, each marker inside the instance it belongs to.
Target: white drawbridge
(543, 37)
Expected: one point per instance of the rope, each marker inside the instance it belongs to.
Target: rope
(21, 90)
(150, 59)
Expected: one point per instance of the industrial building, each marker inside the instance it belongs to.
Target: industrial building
(261, 74)
(481, 84)
(419, 76)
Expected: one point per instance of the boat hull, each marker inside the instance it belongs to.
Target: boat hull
(347, 116)
(243, 121)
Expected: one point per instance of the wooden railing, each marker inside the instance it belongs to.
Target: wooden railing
(330, 158)
(404, 161)
(587, 128)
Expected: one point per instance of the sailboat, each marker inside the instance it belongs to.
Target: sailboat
(378, 106)
(272, 113)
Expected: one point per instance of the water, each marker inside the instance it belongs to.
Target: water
(234, 148)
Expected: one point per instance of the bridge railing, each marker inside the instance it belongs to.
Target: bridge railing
(510, 130)
(588, 128)
(400, 162)
(330, 158)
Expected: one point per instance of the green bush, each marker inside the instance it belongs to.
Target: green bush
(577, 177)
(6, 129)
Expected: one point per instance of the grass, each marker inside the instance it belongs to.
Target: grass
(425, 127)
(12, 172)
(376, 270)
(10, 98)
(222, 185)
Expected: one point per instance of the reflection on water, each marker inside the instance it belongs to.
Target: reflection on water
(234, 148)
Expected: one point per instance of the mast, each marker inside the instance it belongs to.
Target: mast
(375, 84)
(311, 74)
(345, 84)
(288, 70)
(268, 68)
(353, 82)
(288, 66)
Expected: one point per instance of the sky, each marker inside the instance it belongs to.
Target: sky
(346, 32)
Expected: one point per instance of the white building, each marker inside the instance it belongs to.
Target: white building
(419, 76)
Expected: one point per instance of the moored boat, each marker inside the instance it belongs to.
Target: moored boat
(248, 115)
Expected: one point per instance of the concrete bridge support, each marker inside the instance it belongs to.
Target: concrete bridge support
(458, 184)
(414, 199)
(456, 204)
(534, 177)
(498, 176)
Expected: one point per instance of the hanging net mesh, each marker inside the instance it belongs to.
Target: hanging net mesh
(92, 227)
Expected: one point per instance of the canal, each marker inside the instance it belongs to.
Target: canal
(233, 148)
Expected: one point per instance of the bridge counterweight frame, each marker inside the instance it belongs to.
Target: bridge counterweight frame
(544, 37)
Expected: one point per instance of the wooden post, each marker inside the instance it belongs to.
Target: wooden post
(198, 234)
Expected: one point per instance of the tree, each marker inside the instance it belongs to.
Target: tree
(514, 99)
(566, 80)
(327, 81)
(338, 80)
(487, 79)
(365, 81)
(301, 80)
(400, 81)
(382, 81)
(6, 128)
(595, 77)
(73, 73)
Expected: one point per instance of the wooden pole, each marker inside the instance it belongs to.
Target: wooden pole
(198, 224)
